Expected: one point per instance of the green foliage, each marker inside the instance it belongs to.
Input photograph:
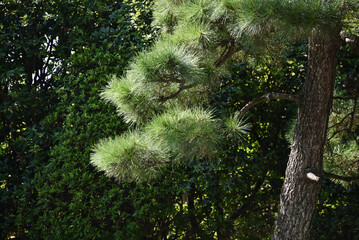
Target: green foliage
(337, 213)
(236, 128)
(198, 36)
(165, 15)
(51, 116)
(341, 151)
(195, 11)
(178, 134)
(133, 102)
(167, 62)
(189, 134)
(51, 113)
(152, 79)
(260, 27)
(218, 187)
(130, 156)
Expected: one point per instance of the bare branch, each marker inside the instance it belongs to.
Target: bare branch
(338, 177)
(266, 98)
(341, 121)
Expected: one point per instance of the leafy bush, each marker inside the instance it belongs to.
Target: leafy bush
(48, 190)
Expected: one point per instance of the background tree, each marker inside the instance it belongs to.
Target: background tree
(198, 38)
(55, 57)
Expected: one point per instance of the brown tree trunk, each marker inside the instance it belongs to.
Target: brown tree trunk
(299, 194)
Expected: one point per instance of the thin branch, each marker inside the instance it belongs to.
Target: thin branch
(49, 47)
(341, 121)
(351, 123)
(338, 177)
(266, 98)
(339, 131)
(355, 139)
(169, 78)
(353, 114)
(175, 94)
(344, 98)
(229, 51)
(355, 45)
(349, 84)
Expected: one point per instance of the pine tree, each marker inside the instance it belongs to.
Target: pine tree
(163, 91)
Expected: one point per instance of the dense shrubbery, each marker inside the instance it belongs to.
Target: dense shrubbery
(52, 115)
(52, 118)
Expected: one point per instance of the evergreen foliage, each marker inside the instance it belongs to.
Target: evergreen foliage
(159, 78)
(213, 32)
(213, 180)
(131, 156)
(190, 134)
(153, 78)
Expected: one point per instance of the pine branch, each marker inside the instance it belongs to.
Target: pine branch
(266, 98)
(175, 94)
(351, 123)
(338, 177)
(344, 98)
(341, 121)
(228, 52)
(338, 131)
(169, 78)
(353, 114)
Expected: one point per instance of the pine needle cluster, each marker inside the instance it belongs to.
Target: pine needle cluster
(133, 156)
(153, 79)
(190, 133)
(177, 135)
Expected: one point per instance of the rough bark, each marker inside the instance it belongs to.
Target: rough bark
(299, 194)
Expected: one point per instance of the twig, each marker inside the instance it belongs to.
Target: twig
(344, 98)
(341, 121)
(339, 131)
(230, 50)
(353, 114)
(338, 177)
(266, 98)
(175, 94)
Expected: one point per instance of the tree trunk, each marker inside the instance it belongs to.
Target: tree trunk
(299, 194)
